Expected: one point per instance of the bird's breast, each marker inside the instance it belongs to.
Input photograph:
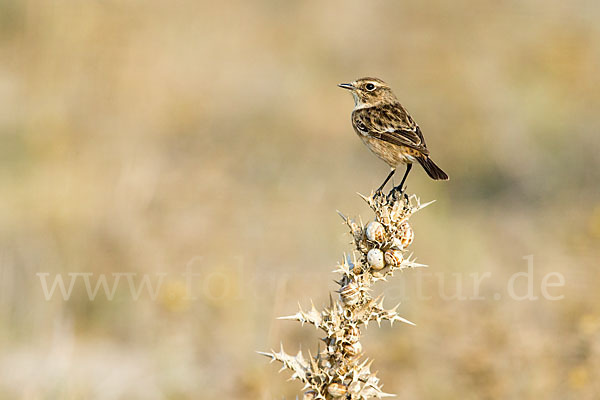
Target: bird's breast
(392, 154)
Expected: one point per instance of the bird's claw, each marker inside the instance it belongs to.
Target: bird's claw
(397, 193)
(378, 193)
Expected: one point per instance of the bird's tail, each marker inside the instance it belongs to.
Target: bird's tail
(432, 170)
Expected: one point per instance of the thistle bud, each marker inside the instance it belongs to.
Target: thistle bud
(350, 294)
(375, 259)
(352, 349)
(375, 232)
(393, 257)
(406, 235)
(336, 389)
(352, 334)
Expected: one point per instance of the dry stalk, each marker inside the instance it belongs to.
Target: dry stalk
(339, 371)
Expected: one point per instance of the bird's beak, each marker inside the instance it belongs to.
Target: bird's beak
(347, 86)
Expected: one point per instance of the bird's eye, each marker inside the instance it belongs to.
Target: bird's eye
(370, 86)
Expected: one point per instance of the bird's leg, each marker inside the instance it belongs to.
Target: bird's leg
(378, 191)
(401, 185)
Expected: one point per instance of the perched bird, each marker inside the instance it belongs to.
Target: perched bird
(388, 130)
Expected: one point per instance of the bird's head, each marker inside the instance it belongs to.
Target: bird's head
(369, 92)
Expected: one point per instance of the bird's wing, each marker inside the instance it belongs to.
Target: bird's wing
(390, 123)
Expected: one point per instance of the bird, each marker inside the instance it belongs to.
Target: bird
(388, 130)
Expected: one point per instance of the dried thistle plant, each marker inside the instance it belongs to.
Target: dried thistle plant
(340, 371)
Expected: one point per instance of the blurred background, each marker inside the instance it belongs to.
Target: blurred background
(202, 149)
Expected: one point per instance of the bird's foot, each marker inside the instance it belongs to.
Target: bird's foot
(378, 194)
(396, 194)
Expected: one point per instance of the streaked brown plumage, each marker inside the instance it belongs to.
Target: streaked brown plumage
(388, 130)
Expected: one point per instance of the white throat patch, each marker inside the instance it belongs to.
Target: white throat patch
(357, 103)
